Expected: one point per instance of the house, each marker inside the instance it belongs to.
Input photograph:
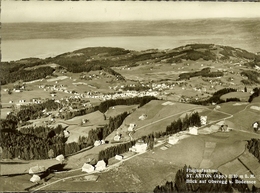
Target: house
(139, 147)
(87, 168)
(173, 140)
(97, 143)
(35, 178)
(101, 165)
(131, 127)
(143, 117)
(117, 138)
(203, 120)
(66, 133)
(256, 125)
(119, 157)
(60, 158)
(36, 169)
(224, 128)
(193, 130)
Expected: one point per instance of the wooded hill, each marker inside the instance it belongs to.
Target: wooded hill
(104, 58)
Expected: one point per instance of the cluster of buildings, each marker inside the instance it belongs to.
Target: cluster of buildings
(100, 166)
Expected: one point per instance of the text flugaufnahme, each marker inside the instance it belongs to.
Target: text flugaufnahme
(211, 176)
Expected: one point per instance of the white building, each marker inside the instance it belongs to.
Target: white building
(193, 130)
(35, 178)
(173, 140)
(60, 158)
(255, 125)
(66, 133)
(143, 117)
(36, 169)
(97, 143)
(87, 168)
(131, 127)
(119, 157)
(203, 120)
(101, 165)
(117, 138)
(139, 147)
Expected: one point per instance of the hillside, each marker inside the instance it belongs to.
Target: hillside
(98, 58)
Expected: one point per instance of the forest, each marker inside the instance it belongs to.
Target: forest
(180, 184)
(215, 98)
(37, 142)
(256, 93)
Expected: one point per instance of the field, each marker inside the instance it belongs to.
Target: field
(232, 107)
(22, 167)
(158, 116)
(244, 119)
(119, 109)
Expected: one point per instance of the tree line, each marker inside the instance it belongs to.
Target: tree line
(205, 72)
(104, 106)
(215, 98)
(26, 75)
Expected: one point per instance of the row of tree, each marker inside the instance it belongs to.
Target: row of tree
(202, 183)
(215, 98)
(205, 72)
(256, 93)
(104, 106)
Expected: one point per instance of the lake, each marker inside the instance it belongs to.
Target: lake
(50, 39)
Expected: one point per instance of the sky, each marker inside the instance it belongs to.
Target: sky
(85, 11)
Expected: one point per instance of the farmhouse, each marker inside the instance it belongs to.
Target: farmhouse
(87, 168)
(173, 140)
(203, 120)
(117, 138)
(118, 157)
(193, 130)
(139, 147)
(256, 126)
(35, 178)
(97, 143)
(36, 169)
(60, 158)
(131, 127)
(224, 128)
(143, 117)
(66, 133)
(101, 165)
